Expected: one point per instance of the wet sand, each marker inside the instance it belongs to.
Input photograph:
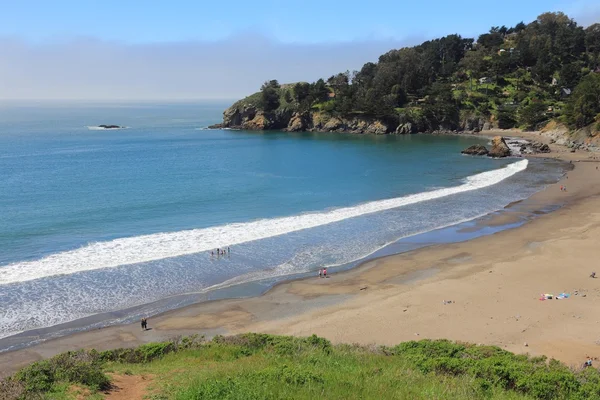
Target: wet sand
(493, 282)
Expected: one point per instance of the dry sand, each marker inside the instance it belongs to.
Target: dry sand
(494, 284)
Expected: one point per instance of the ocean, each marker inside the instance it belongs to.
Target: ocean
(120, 223)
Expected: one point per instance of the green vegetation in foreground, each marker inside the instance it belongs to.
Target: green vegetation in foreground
(259, 366)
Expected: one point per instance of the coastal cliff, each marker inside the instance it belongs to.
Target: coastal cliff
(248, 115)
(502, 79)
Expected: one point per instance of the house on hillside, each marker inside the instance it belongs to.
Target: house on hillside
(554, 82)
(565, 92)
(485, 80)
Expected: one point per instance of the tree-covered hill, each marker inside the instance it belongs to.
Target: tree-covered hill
(520, 76)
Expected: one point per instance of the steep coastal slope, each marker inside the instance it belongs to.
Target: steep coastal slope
(518, 77)
(258, 366)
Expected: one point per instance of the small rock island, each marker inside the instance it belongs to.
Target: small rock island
(110, 126)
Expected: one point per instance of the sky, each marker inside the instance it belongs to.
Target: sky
(190, 49)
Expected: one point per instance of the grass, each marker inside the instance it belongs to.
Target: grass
(257, 366)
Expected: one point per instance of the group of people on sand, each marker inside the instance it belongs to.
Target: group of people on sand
(144, 324)
(323, 273)
(220, 252)
(563, 188)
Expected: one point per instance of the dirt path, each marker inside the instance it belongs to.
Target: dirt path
(129, 387)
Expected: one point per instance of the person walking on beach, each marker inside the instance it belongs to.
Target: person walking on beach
(142, 323)
(320, 273)
(324, 272)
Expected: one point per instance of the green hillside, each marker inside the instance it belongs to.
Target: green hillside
(258, 366)
(520, 76)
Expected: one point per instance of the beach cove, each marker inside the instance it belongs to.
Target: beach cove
(104, 227)
(493, 284)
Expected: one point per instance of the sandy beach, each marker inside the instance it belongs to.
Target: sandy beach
(493, 284)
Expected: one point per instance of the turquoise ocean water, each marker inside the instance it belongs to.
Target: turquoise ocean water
(95, 221)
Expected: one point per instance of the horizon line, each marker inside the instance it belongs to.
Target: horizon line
(104, 100)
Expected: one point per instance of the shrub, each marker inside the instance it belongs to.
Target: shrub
(283, 345)
(151, 351)
(492, 366)
(79, 367)
(11, 389)
(37, 377)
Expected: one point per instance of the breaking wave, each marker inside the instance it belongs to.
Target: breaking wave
(138, 249)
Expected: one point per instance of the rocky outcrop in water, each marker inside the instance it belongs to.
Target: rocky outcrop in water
(499, 148)
(476, 150)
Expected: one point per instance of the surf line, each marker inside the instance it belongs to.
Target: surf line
(145, 248)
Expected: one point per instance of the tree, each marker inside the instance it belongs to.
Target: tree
(544, 68)
(506, 118)
(584, 104)
(592, 45)
(570, 75)
(592, 38)
(491, 40)
(398, 96)
(319, 91)
(519, 27)
(364, 77)
(339, 83)
(532, 114)
(301, 92)
(270, 95)
(475, 62)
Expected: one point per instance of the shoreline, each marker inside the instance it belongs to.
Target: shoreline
(281, 307)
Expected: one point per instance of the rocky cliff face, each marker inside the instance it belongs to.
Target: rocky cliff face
(251, 118)
(248, 116)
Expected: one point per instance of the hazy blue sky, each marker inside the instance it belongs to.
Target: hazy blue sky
(223, 49)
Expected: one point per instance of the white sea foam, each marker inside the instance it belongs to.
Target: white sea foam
(132, 250)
